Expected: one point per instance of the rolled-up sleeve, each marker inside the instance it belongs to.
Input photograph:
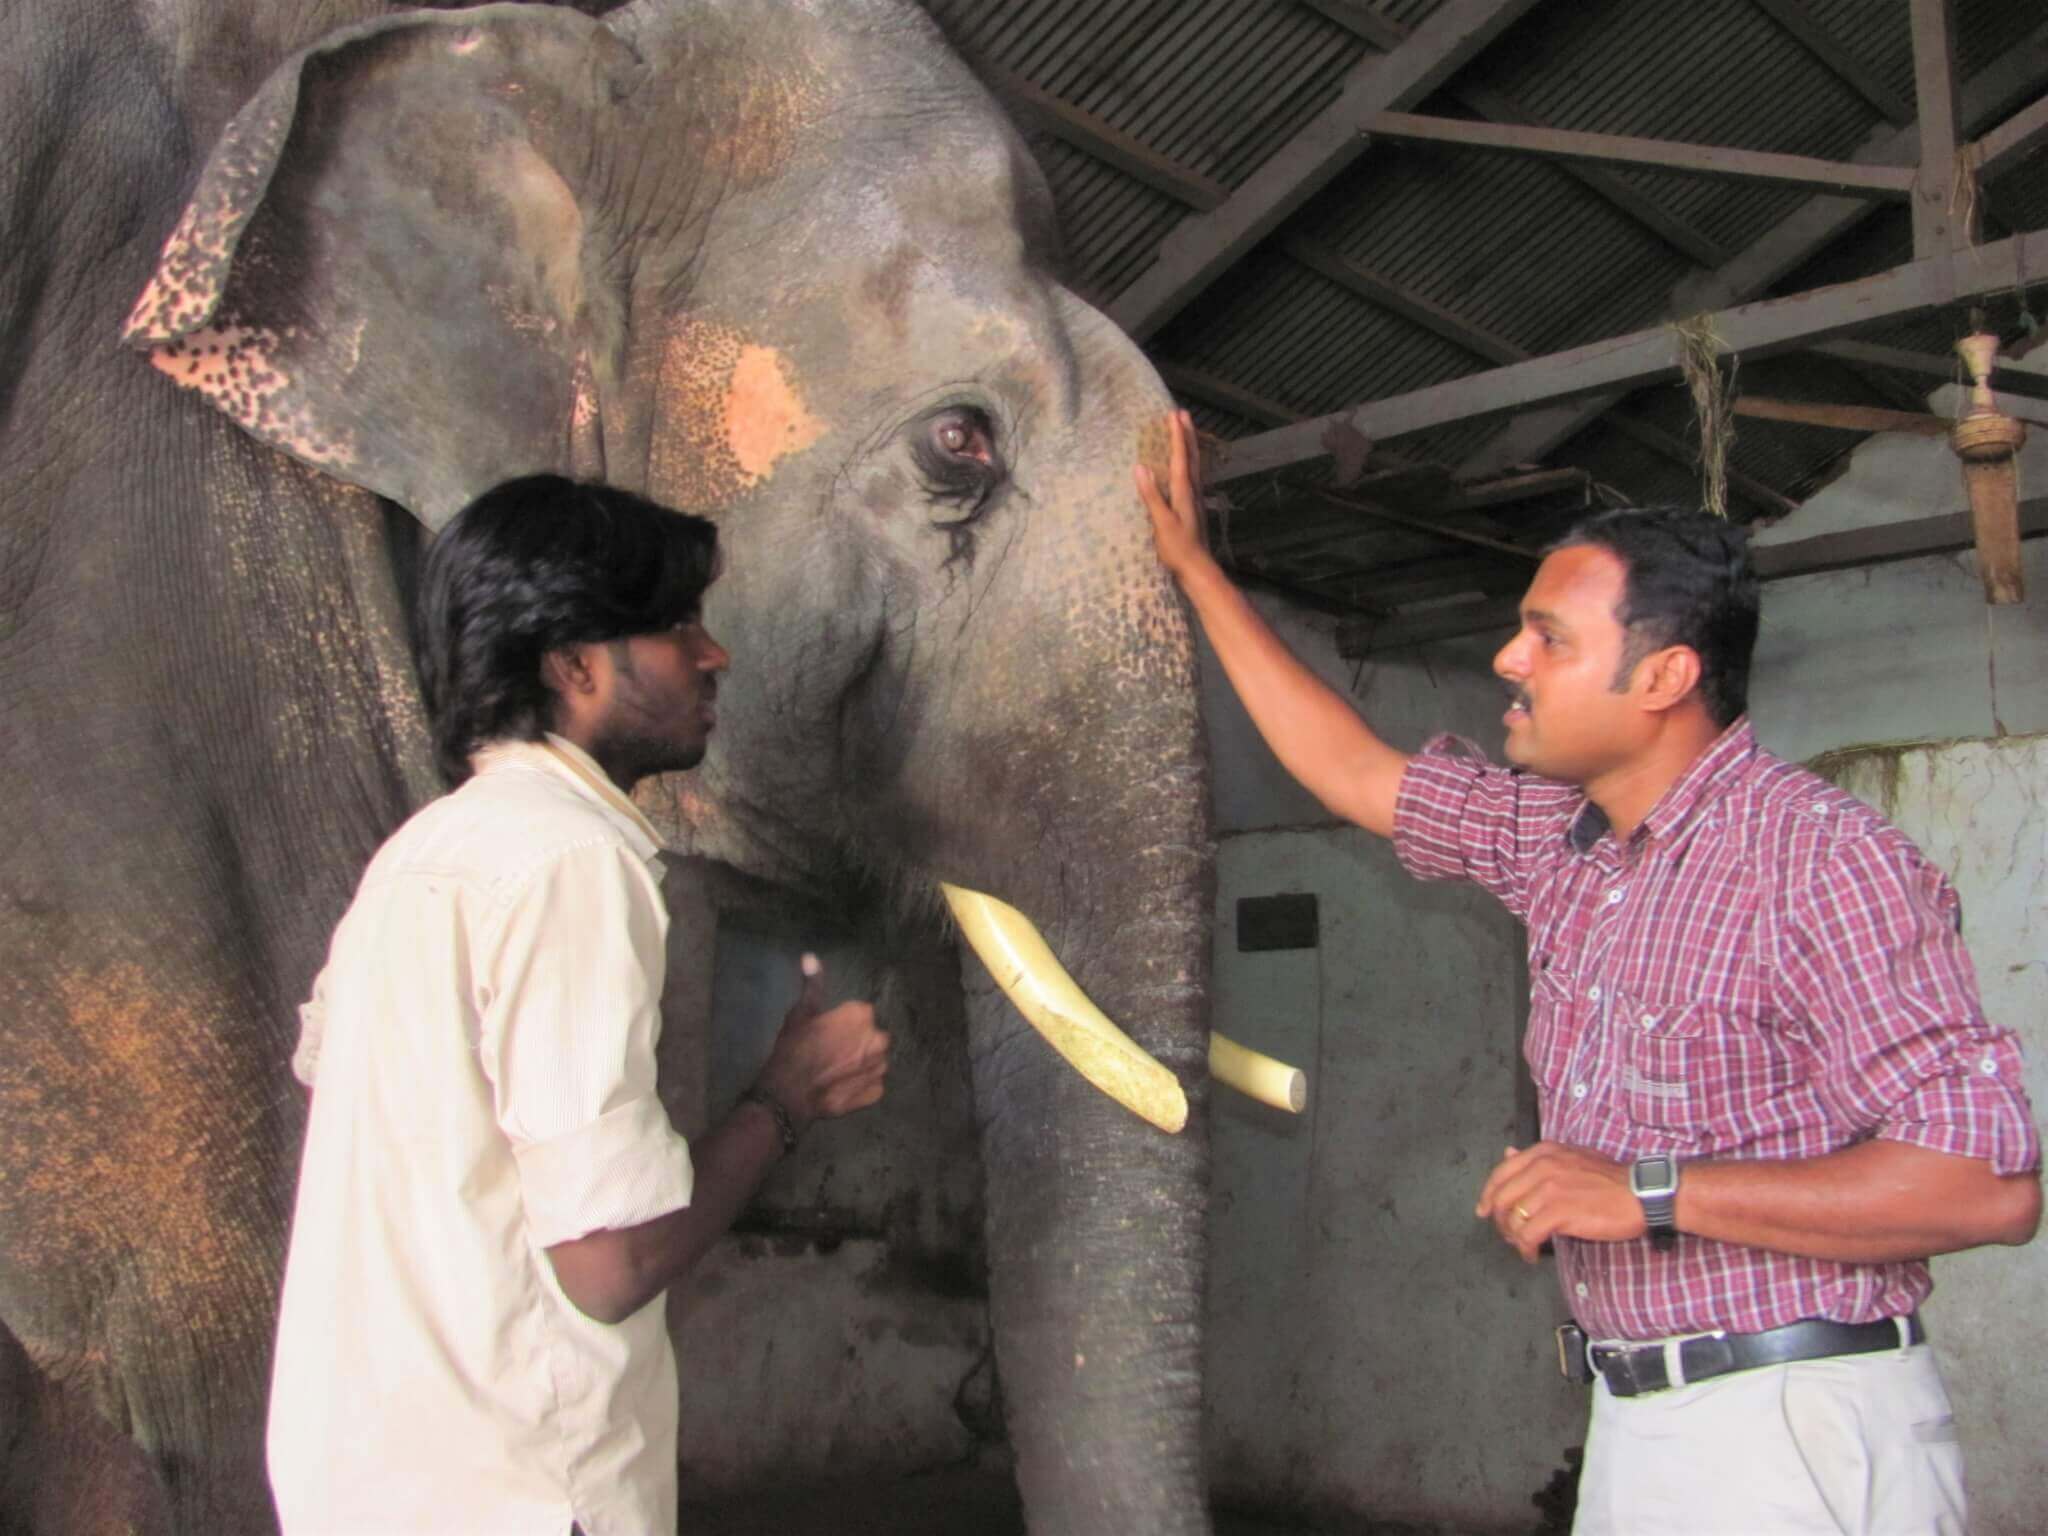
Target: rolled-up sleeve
(1460, 817)
(572, 989)
(1876, 962)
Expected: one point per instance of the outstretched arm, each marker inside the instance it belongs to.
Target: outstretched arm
(1873, 1203)
(825, 1063)
(1312, 729)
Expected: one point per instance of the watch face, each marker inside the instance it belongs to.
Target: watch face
(1653, 1176)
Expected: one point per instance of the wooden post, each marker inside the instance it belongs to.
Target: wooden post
(1943, 218)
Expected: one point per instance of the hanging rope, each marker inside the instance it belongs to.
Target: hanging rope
(1713, 405)
(1962, 192)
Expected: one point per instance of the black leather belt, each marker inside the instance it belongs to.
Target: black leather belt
(1633, 1369)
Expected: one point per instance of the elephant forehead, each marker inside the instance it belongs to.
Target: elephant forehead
(727, 411)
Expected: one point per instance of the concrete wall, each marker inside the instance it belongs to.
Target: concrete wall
(1980, 810)
(1373, 1348)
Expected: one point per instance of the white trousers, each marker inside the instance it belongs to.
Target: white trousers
(1855, 1445)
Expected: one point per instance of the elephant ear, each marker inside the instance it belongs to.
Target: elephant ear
(386, 270)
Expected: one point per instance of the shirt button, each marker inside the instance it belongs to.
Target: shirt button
(1989, 1066)
(1649, 1021)
(1613, 897)
(1593, 994)
(1581, 1290)
(1578, 1090)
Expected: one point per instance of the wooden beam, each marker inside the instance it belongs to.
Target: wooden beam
(1378, 513)
(1453, 621)
(1658, 441)
(1410, 306)
(1483, 343)
(1856, 547)
(1499, 107)
(1361, 20)
(1883, 543)
(1204, 245)
(1626, 362)
(1513, 488)
(2012, 141)
(1840, 176)
(1796, 18)
(1104, 141)
(1301, 534)
(2014, 78)
(1209, 389)
(1843, 418)
(1946, 367)
(1940, 221)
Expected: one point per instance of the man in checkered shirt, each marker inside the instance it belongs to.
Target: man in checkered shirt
(1768, 1091)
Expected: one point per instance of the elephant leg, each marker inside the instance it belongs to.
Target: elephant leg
(64, 1470)
(141, 1237)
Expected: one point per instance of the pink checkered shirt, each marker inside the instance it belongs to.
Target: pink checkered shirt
(1766, 969)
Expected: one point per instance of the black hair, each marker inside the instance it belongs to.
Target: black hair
(1689, 582)
(535, 565)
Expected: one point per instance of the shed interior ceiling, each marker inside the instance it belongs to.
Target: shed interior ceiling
(1382, 266)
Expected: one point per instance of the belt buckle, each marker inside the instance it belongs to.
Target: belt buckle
(1618, 1366)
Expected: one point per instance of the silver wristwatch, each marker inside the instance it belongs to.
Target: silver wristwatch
(1654, 1181)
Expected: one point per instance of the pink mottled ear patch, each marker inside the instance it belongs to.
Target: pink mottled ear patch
(193, 269)
(727, 411)
(235, 367)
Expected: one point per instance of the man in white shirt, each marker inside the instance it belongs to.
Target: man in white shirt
(491, 1196)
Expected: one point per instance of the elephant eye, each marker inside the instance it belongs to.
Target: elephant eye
(962, 434)
(958, 459)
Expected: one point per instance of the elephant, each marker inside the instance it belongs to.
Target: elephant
(285, 286)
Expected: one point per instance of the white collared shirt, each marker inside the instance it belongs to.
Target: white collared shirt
(481, 1050)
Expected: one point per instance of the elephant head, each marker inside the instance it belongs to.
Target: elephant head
(782, 262)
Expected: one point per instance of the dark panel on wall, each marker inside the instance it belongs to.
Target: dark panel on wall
(1277, 922)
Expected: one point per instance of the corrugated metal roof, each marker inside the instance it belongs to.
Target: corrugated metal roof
(1524, 251)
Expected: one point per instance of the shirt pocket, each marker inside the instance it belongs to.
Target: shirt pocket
(1547, 1046)
(1661, 1052)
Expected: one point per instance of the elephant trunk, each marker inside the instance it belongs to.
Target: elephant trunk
(1096, 1218)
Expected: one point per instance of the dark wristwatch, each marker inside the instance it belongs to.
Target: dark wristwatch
(1654, 1181)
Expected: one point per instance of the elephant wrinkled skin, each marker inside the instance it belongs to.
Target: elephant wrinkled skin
(781, 261)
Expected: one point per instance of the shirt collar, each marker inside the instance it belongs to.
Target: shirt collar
(1675, 810)
(563, 758)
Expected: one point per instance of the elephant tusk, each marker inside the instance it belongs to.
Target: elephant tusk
(1032, 977)
(1257, 1076)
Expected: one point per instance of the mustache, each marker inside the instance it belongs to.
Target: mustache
(1518, 695)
